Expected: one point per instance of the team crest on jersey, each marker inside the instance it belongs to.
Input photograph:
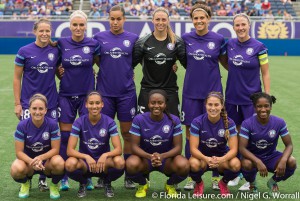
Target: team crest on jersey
(272, 133)
(53, 114)
(46, 136)
(132, 111)
(170, 46)
(221, 132)
(211, 45)
(51, 56)
(249, 51)
(126, 43)
(102, 132)
(166, 128)
(86, 49)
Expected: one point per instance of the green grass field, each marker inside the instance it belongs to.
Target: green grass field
(285, 85)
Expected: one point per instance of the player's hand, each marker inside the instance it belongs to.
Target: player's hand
(263, 171)
(18, 110)
(92, 164)
(37, 164)
(280, 169)
(60, 72)
(156, 159)
(175, 68)
(101, 163)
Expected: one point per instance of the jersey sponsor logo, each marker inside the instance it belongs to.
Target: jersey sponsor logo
(93, 143)
(249, 51)
(262, 144)
(199, 54)
(126, 43)
(46, 136)
(238, 60)
(156, 140)
(160, 58)
(211, 45)
(75, 60)
(42, 67)
(53, 114)
(221, 132)
(211, 142)
(272, 133)
(116, 52)
(102, 132)
(150, 48)
(51, 56)
(171, 46)
(86, 50)
(37, 147)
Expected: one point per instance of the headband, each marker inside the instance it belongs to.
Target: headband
(200, 9)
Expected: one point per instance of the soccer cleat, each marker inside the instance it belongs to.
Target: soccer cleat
(171, 190)
(24, 190)
(64, 185)
(234, 182)
(198, 190)
(142, 191)
(245, 187)
(108, 191)
(223, 188)
(89, 185)
(214, 183)
(100, 183)
(177, 187)
(190, 185)
(253, 188)
(273, 187)
(129, 184)
(43, 186)
(54, 191)
(81, 191)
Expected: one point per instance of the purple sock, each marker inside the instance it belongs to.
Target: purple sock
(57, 178)
(229, 175)
(63, 144)
(21, 180)
(138, 178)
(126, 156)
(249, 175)
(42, 177)
(112, 175)
(196, 176)
(175, 179)
(187, 149)
(78, 176)
(215, 173)
(288, 172)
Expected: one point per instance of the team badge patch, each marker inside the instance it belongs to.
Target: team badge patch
(102, 132)
(166, 128)
(46, 136)
(272, 133)
(86, 50)
(53, 114)
(211, 45)
(132, 111)
(170, 46)
(126, 43)
(221, 132)
(249, 51)
(51, 56)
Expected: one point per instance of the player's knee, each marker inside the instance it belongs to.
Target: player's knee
(235, 165)
(182, 165)
(58, 163)
(71, 164)
(292, 163)
(247, 164)
(194, 164)
(132, 164)
(119, 162)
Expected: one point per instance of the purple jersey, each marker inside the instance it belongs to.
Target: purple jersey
(115, 77)
(202, 72)
(94, 139)
(39, 67)
(244, 70)
(212, 140)
(77, 60)
(155, 136)
(263, 139)
(37, 141)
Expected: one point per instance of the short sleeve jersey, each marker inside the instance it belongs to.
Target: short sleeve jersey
(77, 60)
(115, 76)
(94, 139)
(39, 67)
(212, 141)
(37, 141)
(244, 70)
(155, 136)
(263, 139)
(202, 71)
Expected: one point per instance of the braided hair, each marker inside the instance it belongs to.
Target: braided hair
(223, 111)
(164, 94)
(256, 96)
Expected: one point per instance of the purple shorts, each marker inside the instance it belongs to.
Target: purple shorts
(191, 108)
(51, 113)
(238, 113)
(68, 107)
(125, 107)
(271, 160)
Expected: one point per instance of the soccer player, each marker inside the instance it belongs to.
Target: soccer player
(78, 53)
(35, 67)
(157, 145)
(158, 52)
(94, 158)
(115, 77)
(204, 50)
(37, 141)
(258, 141)
(210, 133)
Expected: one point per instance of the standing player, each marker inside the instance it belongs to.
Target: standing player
(247, 57)
(158, 53)
(78, 53)
(204, 50)
(210, 133)
(157, 145)
(258, 141)
(35, 67)
(94, 158)
(115, 77)
(37, 141)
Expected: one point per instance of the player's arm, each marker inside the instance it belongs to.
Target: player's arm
(71, 149)
(181, 52)
(55, 146)
(223, 59)
(18, 73)
(176, 150)
(19, 148)
(264, 67)
(116, 142)
(136, 150)
(233, 149)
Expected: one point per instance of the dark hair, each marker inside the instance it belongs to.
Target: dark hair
(38, 96)
(118, 8)
(201, 7)
(165, 95)
(93, 92)
(223, 111)
(256, 96)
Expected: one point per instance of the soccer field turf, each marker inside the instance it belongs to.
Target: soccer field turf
(285, 86)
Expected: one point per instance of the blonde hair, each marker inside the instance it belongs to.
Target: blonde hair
(78, 13)
(171, 34)
(242, 15)
(38, 96)
(46, 21)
